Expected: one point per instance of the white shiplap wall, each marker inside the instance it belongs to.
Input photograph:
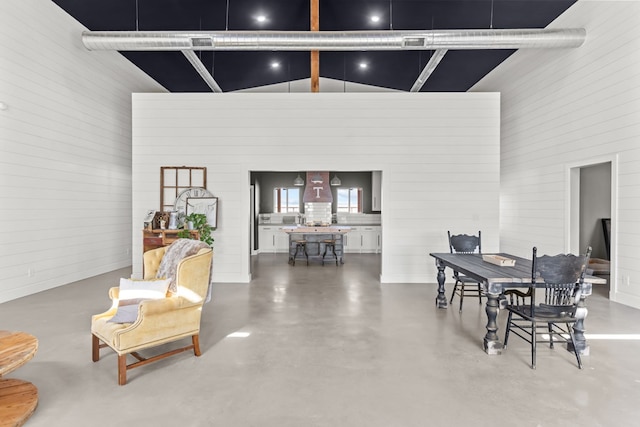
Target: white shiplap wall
(65, 151)
(572, 107)
(439, 154)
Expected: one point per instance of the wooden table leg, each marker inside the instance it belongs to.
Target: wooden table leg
(492, 344)
(441, 299)
(578, 328)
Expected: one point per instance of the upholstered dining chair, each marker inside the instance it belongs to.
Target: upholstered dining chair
(156, 310)
(465, 244)
(558, 278)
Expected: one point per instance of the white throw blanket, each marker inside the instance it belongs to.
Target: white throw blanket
(175, 253)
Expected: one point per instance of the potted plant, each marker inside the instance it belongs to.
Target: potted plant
(200, 223)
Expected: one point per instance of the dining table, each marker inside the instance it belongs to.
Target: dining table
(495, 279)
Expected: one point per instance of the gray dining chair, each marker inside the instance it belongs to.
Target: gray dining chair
(465, 244)
(558, 278)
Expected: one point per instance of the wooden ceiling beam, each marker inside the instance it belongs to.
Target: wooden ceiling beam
(315, 55)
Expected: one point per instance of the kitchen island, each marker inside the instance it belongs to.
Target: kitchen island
(315, 246)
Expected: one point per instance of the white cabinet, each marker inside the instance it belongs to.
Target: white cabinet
(272, 239)
(352, 240)
(266, 239)
(376, 190)
(281, 241)
(363, 239)
(370, 239)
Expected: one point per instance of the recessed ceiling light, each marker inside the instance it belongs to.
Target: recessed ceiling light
(275, 64)
(261, 18)
(363, 65)
(375, 18)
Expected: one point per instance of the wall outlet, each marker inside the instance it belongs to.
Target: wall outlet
(625, 280)
(31, 272)
(127, 251)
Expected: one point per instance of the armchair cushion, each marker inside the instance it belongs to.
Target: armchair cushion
(132, 292)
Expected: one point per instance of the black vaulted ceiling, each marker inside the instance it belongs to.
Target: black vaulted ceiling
(458, 71)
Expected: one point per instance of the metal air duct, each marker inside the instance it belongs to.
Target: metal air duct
(334, 40)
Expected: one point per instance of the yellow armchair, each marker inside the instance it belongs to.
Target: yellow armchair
(159, 321)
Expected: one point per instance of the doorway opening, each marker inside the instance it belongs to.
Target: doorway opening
(277, 203)
(592, 217)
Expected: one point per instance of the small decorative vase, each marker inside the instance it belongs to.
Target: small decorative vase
(173, 220)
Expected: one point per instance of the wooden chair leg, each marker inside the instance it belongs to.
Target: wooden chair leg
(534, 330)
(508, 329)
(95, 348)
(195, 339)
(461, 296)
(573, 343)
(455, 286)
(122, 369)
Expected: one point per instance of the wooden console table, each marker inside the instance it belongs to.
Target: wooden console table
(18, 399)
(157, 238)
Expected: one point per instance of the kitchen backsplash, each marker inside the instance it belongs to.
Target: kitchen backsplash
(279, 218)
(358, 218)
(317, 213)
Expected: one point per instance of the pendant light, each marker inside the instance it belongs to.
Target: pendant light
(335, 181)
(298, 182)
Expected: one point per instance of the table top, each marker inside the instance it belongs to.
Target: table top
(16, 349)
(474, 266)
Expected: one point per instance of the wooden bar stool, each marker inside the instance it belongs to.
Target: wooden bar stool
(329, 243)
(301, 246)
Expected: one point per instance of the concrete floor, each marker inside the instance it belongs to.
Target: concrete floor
(328, 346)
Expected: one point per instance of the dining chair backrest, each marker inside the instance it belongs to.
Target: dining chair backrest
(562, 275)
(465, 244)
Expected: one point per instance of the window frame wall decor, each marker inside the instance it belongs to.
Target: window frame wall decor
(176, 179)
